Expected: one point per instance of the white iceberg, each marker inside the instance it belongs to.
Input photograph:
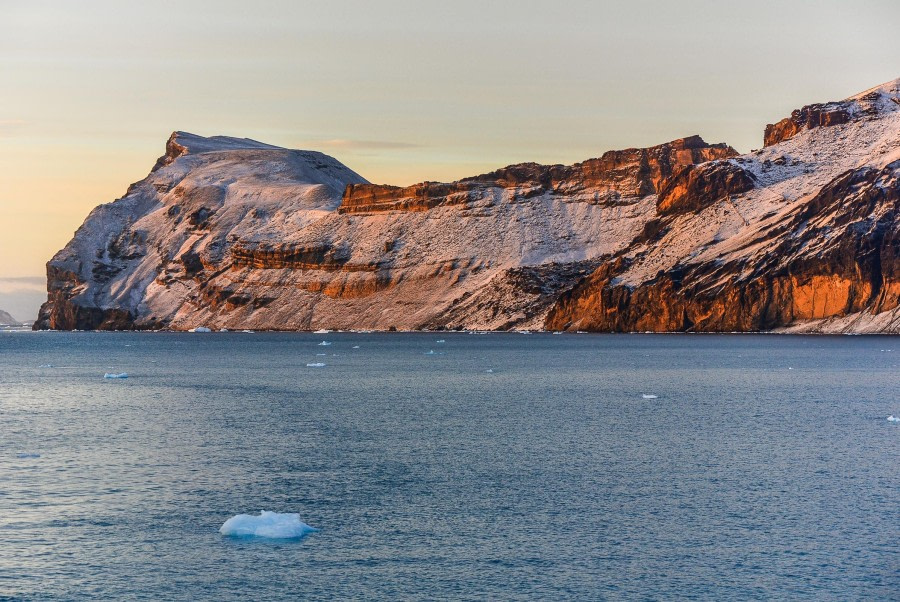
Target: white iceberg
(356, 346)
(271, 525)
(119, 375)
(646, 396)
(893, 418)
(315, 365)
(324, 343)
(200, 329)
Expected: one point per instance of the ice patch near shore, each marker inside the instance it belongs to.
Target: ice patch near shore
(271, 525)
(119, 375)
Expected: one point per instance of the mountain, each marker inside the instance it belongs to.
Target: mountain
(800, 235)
(7, 320)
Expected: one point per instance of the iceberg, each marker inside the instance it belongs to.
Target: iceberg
(646, 396)
(893, 418)
(119, 375)
(271, 525)
(324, 343)
(315, 365)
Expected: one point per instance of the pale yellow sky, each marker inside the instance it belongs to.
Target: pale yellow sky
(400, 91)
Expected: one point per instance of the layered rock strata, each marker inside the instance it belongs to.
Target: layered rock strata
(684, 236)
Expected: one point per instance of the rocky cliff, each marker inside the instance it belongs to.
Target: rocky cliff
(232, 233)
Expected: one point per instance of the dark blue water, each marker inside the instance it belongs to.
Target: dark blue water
(765, 468)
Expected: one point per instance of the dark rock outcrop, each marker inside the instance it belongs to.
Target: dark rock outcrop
(697, 186)
(807, 118)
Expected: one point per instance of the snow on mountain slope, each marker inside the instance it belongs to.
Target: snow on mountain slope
(234, 233)
(812, 245)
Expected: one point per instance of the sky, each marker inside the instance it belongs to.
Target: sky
(400, 91)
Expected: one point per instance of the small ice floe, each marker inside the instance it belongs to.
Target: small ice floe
(270, 525)
(223, 330)
(324, 343)
(489, 371)
(356, 346)
(648, 396)
(440, 341)
(321, 354)
(114, 375)
(432, 352)
(200, 329)
(27, 455)
(316, 365)
(893, 418)
(46, 366)
(322, 331)
(245, 330)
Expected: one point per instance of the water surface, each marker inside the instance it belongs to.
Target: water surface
(500, 466)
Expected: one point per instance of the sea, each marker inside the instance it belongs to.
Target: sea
(450, 466)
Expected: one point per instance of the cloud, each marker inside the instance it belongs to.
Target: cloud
(8, 127)
(23, 284)
(364, 144)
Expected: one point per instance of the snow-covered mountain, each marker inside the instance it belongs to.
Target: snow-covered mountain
(232, 233)
(7, 320)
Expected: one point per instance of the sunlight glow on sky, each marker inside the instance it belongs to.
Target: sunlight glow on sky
(400, 91)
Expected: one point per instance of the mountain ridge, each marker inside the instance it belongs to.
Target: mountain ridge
(234, 233)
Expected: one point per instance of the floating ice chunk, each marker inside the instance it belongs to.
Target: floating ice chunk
(270, 525)
(200, 329)
(223, 330)
(489, 371)
(119, 375)
(27, 455)
(322, 331)
(440, 341)
(356, 346)
(646, 396)
(46, 366)
(893, 418)
(324, 343)
(321, 354)
(245, 330)
(315, 365)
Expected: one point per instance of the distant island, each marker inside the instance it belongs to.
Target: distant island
(802, 235)
(7, 320)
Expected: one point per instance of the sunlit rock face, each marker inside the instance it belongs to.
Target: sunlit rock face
(804, 237)
(232, 233)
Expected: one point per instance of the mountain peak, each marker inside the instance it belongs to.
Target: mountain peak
(184, 143)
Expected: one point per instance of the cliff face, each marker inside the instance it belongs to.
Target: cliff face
(625, 174)
(802, 236)
(232, 233)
